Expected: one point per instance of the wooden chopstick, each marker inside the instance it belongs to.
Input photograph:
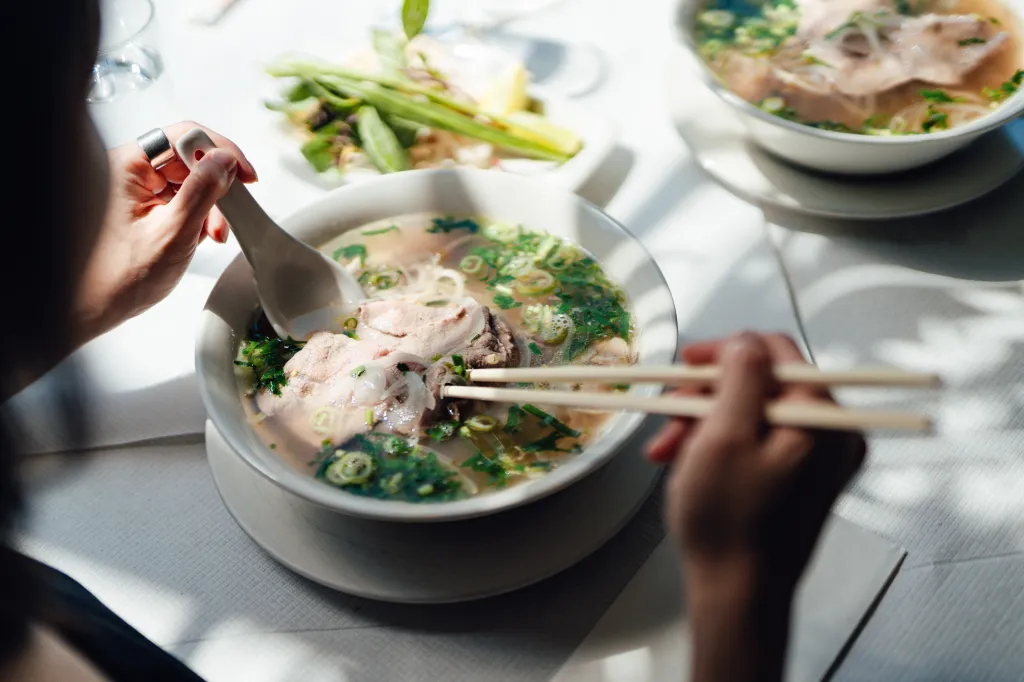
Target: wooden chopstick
(807, 415)
(702, 374)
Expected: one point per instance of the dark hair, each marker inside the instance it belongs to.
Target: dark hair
(46, 43)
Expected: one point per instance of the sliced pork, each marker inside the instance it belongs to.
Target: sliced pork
(392, 371)
(401, 325)
(867, 48)
(495, 346)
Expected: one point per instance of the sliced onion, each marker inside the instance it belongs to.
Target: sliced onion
(417, 401)
(458, 283)
(370, 385)
(476, 317)
(395, 388)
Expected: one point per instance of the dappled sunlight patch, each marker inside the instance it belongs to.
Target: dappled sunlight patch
(167, 613)
(991, 496)
(995, 301)
(970, 413)
(903, 487)
(836, 356)
(224, 656)
(804, 249)
(954, 348)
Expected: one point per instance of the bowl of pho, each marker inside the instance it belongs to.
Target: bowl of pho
(462, 269)
(861, 86)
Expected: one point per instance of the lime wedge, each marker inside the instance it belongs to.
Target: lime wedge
(507, 92)
(541, 130)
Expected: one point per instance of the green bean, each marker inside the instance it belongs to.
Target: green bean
(303, 69)
(406, 131)
(379, 142)
(436, 116)
(344, 104)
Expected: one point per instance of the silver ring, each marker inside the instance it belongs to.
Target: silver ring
(156, 147)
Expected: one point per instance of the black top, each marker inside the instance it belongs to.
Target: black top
(101, 637)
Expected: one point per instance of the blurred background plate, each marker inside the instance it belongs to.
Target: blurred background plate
(598, 135)
(720, 144)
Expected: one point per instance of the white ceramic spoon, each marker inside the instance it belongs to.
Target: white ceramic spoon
(301, 290)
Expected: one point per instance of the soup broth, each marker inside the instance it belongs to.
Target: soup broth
(877, 67)
(359, 407)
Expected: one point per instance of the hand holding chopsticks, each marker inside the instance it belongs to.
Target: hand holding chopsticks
(676, 375)
(801, 414)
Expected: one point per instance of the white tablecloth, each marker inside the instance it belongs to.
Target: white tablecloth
(142, 525)
(939, 294)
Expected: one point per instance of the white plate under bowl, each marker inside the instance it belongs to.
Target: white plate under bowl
(597, 132)
(432, 563)
(721, 145)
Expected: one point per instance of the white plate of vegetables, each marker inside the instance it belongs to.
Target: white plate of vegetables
(424, 103)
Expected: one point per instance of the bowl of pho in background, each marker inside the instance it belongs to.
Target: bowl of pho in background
(860, 86)
(457, 194)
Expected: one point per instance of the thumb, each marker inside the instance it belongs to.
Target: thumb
(208, 182)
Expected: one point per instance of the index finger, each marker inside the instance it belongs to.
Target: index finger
(738, 412)
(176, 171)
(783, 350)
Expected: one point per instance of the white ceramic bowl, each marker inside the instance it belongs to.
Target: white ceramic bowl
(503, 196)
(843, 152)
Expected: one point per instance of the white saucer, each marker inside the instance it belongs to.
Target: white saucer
(720, 144)
(434, 562)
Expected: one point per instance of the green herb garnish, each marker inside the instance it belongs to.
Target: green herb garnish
(442, 430)
(358, 371)
(936, 120)
(459, 366)
(383, 230)
(971, 41)
(506, 302)
(1006, 89)
(485, 465)
(514, 414)
(446, 225)
(550, 420)
(351, 251)
(399, 470)
(938, 96)
(535, 349)
(266, 356)
(414, 16)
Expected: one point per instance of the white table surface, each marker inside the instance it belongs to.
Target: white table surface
(722, 271)
(940, 294)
